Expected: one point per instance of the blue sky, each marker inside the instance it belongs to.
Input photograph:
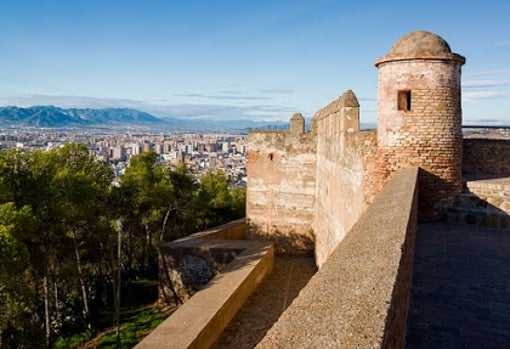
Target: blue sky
(259, 60)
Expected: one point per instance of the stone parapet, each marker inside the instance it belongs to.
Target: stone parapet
(187, 264)
(234, 266)
(359, 298)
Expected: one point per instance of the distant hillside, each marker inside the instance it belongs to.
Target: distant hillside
(54, 117)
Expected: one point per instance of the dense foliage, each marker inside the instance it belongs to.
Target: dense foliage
(60, 222)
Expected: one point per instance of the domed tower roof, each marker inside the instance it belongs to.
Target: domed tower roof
(420, 44)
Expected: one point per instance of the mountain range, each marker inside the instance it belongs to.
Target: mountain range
(50, 116)
(55, 117)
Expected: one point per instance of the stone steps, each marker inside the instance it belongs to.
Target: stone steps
(483, 202)
(476, 216)
(491, 203)
(494, 192)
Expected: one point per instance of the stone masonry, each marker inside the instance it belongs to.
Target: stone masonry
(307, 189)
(341, 148)
(282, 184)
(494, 152)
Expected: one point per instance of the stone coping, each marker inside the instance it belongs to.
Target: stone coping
(234, 230)
(199, 322)
(360, 296)
(499, 183)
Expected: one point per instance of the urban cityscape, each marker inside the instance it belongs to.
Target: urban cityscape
(201, 152)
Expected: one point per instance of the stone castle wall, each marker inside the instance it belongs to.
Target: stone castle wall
(486, 156)
(303, 183)
(340, 173)
(281, 189)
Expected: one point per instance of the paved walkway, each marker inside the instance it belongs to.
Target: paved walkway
(261, 310)
(461, 288)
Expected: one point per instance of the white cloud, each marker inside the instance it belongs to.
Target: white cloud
(471, 96)
(484, 83)
(223, 112)
(225, 97)
(277, 90)
(488, 72)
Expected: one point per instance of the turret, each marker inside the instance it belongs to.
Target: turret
(297, 124)
(419, 115)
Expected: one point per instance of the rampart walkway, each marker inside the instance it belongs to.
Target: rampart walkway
(460, 296)
(290, 274)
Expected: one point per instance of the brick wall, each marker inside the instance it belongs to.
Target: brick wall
(428, 134)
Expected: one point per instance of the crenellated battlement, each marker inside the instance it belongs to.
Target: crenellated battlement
(294, 176)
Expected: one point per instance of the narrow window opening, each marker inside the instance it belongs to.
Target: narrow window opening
(404, 100)
(271, 156)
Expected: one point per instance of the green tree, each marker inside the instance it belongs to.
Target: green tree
(181, 216)
(58, 233)
(16, 286)
(30, 177)
(82, 184)
(215, 202)
(143, 199)
(65, 191)
(238, 195)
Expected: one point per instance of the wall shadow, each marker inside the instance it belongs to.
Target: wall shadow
(435, 194)
(460, 295)
(263, 308)
(475, 209)
(486, 158)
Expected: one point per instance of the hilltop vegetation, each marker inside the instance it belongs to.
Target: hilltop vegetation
(61, 221)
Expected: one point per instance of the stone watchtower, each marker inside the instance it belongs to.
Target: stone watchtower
(419, 115)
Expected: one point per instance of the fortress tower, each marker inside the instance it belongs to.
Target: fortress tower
(306, 190)
(419, 115)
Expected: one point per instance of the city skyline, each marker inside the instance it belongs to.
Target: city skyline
(261, 60)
